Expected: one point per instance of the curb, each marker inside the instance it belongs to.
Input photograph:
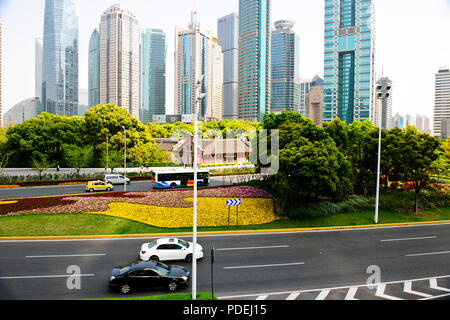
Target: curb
(362, 227)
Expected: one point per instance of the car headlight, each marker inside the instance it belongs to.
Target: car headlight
(184, 278)
(112, 278)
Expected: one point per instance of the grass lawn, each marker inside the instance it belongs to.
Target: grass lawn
(87, 225)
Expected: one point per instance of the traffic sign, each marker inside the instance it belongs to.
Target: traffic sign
(234, 202)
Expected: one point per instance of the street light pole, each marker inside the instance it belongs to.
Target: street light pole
(194, 233)
(125, 161)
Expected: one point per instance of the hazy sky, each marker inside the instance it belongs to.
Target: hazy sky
(413, 40)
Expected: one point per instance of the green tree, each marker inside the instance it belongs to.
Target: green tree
(418, 152)
(40, 162)
(78, 157)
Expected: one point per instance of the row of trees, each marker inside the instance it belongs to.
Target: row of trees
(339, 160)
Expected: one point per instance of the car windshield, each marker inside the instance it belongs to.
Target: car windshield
(183, 243)
(162, 268)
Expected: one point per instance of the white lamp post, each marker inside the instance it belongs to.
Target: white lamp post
(382, 93)
(194, 238)
(125, 161)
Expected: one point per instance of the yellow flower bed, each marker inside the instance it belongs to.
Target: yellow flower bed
(211, 212)
(7, 202)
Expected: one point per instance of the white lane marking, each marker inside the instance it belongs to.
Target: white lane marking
(408, 289)
(293, 296)
(351, 294)
(323, 294)
(409, 239)
(266, 265)
(46, 277)
(262, 297)
(252, 248)
(380, 293)
(68, 256)
(434, 285)
(437, 297)
(427, 254)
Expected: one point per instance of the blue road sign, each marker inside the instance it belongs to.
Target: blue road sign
(234, 202)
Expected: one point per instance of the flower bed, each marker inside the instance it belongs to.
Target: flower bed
(162, 209)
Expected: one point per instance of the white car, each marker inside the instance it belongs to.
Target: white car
(169, 249)
(116, 179)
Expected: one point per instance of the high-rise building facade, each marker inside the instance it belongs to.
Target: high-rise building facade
(153, 67)
(304, 88)
(215, 113)
(191, 62)
(120, 59)
(349, 60)
(423, 123)
(228, 34)
(60, 58)
(384, 104)
(442, 100)
(94, 70)
(23, 111)
(314, 103)
(38, 68)
(285, 69)
(254, 59)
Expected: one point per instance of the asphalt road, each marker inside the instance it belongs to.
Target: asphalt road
(43, 191)
(414, 263)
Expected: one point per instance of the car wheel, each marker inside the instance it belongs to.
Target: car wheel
(109, 189)
(154, 258)
(91, 190)
(173, 286)
(125, 288)
(173, 186)
(189, 258)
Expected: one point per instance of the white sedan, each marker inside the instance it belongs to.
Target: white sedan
(169, 249)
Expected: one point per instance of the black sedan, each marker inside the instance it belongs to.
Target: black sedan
(147, 275)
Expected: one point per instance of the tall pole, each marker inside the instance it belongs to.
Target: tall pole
(107, 151)
(125, 162)
(382, 93)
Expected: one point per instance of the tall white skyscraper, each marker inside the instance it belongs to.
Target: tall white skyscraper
(442, 100)
(216, 77)
(120, 59)
(38, 68)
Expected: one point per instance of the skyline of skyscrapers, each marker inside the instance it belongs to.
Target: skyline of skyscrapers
(285, 69)
(349, 60)
(153, 66)
(60, 58)
(120, 59)
(228, 34)
(254, 59)
(442, 99)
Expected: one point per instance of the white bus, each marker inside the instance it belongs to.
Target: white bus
(172, 178)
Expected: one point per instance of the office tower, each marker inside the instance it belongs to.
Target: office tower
(94, 70)
(153, 74)
(304, 88)
(191, 62)
(423, 123)
(216, 81)
(83, 102)
(1, 73)
(445, 128)
(120, 59)
(254, 59)
(60, 58)
(285, 86)
(228, 34)
(314, 103)
(384, 104)
(23, 111)
(349, 60)
(442, 99)
(38, 68)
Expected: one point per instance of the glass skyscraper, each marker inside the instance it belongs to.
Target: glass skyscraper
(254, 59)
(60, 58)
(285, 84)
(349, 73)
(228, 34)
(94, 69)
(153, 79)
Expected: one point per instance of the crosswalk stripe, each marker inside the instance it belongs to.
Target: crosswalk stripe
(434, 285)
(408, 289)
(351, 294)
(262, 297)
(293, 296)
(323, 294)
(380, 293)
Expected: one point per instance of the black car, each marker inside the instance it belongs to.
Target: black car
(146, 275)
